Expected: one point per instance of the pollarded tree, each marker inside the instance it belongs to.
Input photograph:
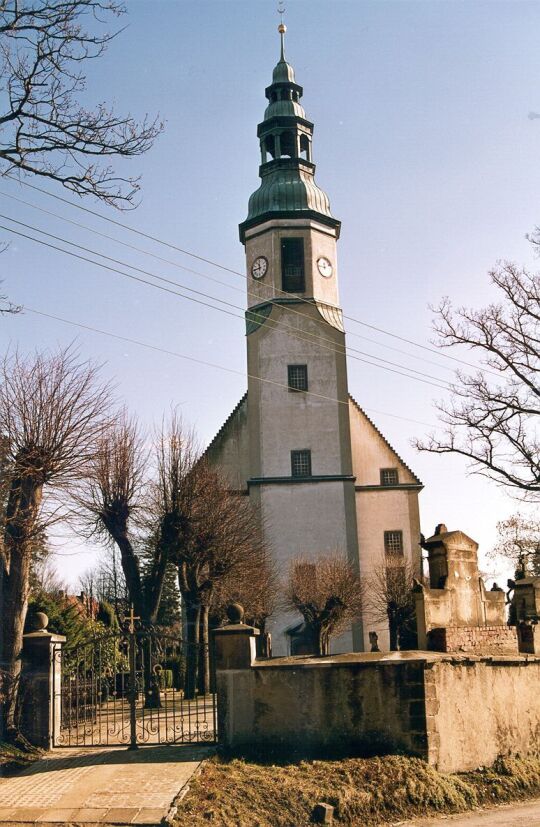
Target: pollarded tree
(45, 129)
(390, 600)
(209, 533)
(112, 496)
(519, 541)
(328, 594)
(493, 417)
(53, 408)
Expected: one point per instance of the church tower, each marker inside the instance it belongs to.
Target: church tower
(297, 443)
(300, 451)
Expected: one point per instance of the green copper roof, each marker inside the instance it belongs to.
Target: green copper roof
(283, 73)
(287, 108)
(288, 189)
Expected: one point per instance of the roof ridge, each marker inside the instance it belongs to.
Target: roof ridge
(223, 427)
(362, 411)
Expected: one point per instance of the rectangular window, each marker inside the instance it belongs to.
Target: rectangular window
(301, 463)
(297, 377)
(389, 476)
(292, 265)
(393, 542)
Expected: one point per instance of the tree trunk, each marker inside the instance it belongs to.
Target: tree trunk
(193, 612)
(131, 569)
(393, 629)
(21, 514)
(322, 641)
(204, 658)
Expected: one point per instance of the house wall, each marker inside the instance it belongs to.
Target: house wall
(229, 450)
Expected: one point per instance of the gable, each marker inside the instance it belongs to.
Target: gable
(228, 452)
(371, 451)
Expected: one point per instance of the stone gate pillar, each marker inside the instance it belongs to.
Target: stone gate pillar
(235, 652)
(41, 677)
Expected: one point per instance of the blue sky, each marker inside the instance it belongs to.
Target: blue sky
(422, 141)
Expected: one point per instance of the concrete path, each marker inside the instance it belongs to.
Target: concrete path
(100, 786)
(526, 814)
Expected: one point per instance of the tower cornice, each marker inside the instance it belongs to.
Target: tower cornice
(269, 215)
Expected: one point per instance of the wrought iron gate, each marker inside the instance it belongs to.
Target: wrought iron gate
(134, 687)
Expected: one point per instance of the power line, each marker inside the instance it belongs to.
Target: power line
(225, 284)
(204, 362)
(234, 272)
(293, 332)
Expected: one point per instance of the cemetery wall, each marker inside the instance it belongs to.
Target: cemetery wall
(481, 708)
(456, 712)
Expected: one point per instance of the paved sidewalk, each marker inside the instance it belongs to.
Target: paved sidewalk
(99, 786)
(523, 814)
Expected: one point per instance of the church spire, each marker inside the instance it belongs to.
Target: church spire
(282, 28)
(287, 171)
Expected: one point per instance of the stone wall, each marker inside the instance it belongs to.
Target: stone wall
(302, 706)
(480, 708)
(456, 712)
(485, 640)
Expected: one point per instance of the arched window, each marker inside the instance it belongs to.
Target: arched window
(295, 97)
(270, 146)
(288, 144)
(305, 148)
(273, 97)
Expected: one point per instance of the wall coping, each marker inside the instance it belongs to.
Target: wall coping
(43, 634)
(367, 659)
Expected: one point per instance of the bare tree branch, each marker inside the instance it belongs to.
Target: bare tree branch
(53, 410)
(44, 129)
(494, 424)
(328, 594)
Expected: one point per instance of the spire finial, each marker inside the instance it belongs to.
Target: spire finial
(282, 28)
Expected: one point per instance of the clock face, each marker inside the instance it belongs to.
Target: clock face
(259, 267)
(325, 267)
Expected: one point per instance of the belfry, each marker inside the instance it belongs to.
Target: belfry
(323, 476)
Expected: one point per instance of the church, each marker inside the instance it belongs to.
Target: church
(298, 444)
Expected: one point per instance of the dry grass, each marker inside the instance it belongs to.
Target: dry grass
(364, 791)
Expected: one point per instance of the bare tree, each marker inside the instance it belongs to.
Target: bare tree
(492, 419)
(113, 497)
(205, 530)
(52, 410)
(328, 594)
(257, 590)
(44, 128)
(519, 541)
(390, 600)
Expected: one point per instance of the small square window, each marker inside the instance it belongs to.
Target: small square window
(301, 463)
(297, 376)
(393, 542)
(389, 476)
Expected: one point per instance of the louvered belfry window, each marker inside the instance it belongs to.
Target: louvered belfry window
(292, 265)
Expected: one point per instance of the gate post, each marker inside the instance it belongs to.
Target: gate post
(41, 693)
(235, 652)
